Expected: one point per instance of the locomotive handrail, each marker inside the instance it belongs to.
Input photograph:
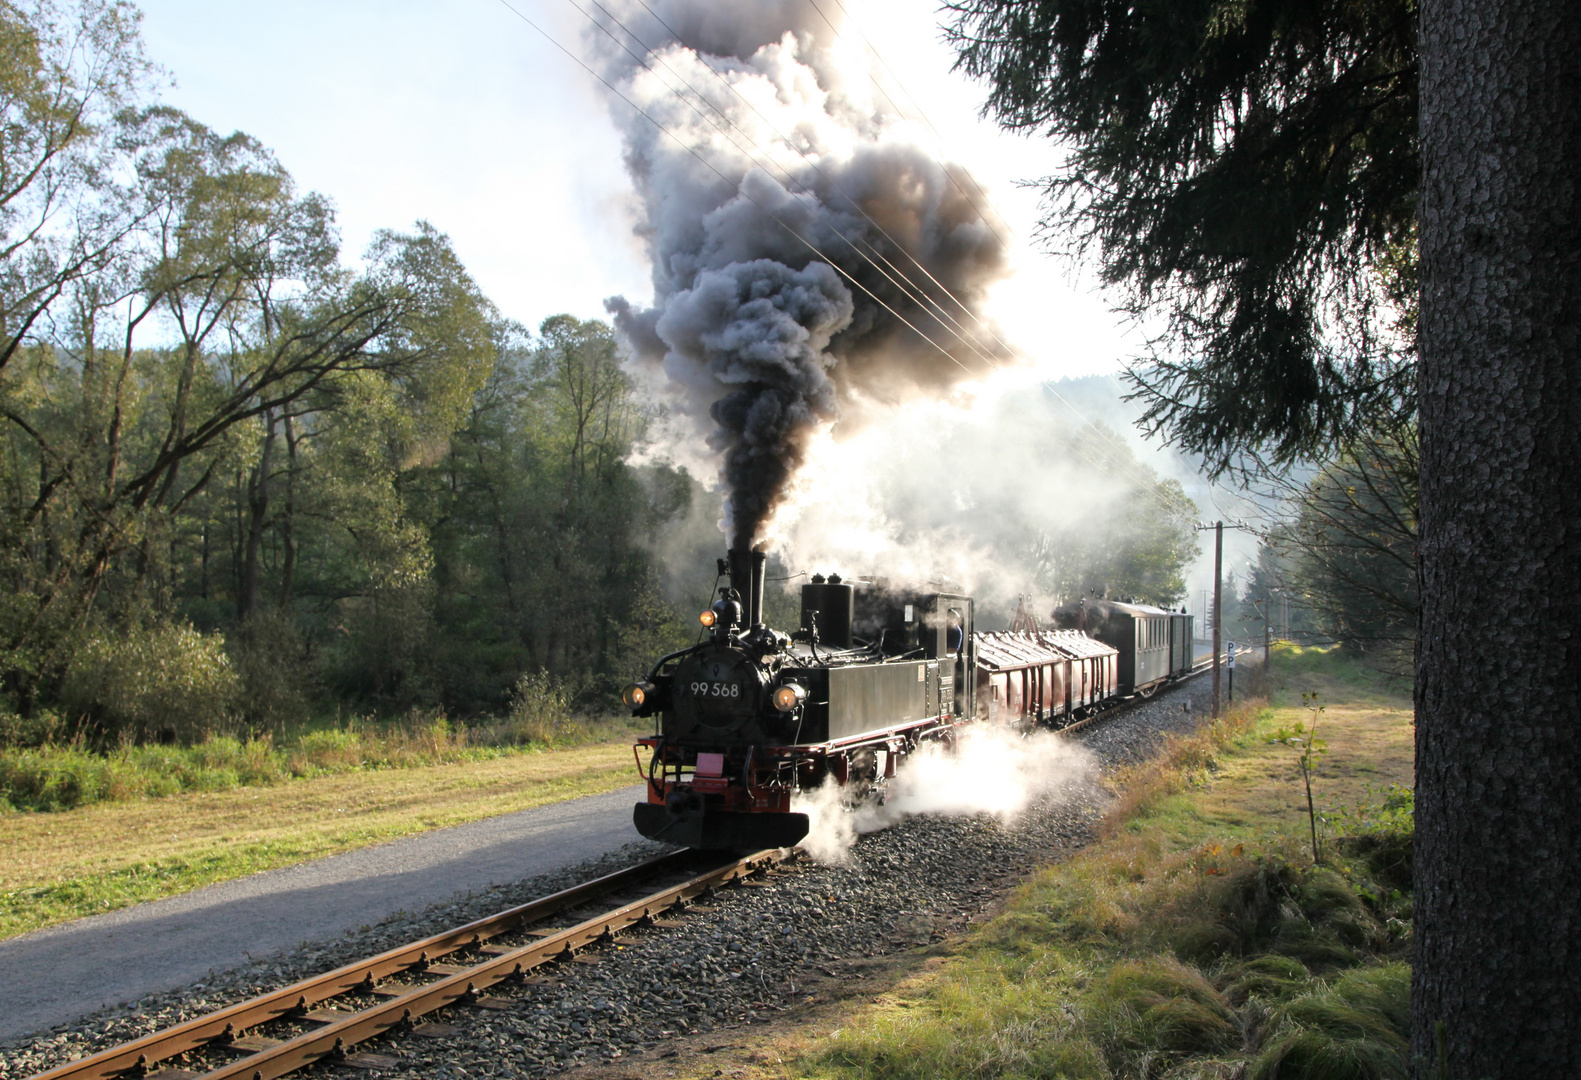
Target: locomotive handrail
(654, 672)
(831, 657)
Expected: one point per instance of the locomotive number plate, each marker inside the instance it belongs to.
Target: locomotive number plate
(716, 689)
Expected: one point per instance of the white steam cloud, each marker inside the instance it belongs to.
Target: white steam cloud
(991, 771)
(1004, 495)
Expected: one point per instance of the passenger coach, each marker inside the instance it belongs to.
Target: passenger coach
(1154, 644)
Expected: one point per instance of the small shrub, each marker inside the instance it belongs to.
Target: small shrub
(1358, 1029)
(540, 712)
(41, 729)
(1387, 856)
(271, 660)
(163, 681)
(325, 751)
(1392, 810)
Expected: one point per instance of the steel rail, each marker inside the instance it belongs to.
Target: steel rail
(219, 1028)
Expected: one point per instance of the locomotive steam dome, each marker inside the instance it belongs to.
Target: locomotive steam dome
(717, 691)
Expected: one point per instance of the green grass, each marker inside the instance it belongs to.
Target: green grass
(22, 910)
(1363, 678)
(107, 855)
(62, 777)
(1198, 939)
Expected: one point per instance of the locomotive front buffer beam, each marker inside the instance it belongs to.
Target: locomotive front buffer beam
(719, 830)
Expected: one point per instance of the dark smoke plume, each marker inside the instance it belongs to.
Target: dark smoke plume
(767, 318)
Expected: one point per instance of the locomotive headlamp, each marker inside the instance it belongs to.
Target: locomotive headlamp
(708, 618)
(788, 697)
(636, 695)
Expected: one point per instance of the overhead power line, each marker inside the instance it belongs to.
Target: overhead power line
(715, 170)
(871, 255)
(915, 293)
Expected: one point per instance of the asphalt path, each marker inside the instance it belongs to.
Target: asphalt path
(61, 974)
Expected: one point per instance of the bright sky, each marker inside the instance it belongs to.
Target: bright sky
(458, 112)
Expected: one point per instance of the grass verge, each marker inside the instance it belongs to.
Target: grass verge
(1199, 938)
(61, 866)
(56, 776)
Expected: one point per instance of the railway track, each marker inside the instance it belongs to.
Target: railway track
(323, 1018)
(1123, 705)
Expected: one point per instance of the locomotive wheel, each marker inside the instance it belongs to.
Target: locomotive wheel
(861, 772)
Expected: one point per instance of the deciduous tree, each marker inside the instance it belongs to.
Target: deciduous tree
(1343, 547)
(112, 441)
(66, 71)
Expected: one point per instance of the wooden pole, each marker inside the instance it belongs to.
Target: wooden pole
(1218, 631)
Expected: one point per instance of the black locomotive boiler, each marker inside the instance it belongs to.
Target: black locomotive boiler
(750, 716)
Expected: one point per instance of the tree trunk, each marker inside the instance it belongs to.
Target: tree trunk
(1497, 985)
(288, 519)
(257, 520)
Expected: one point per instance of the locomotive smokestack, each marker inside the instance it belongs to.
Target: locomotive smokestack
(746, 577)
(760, 561)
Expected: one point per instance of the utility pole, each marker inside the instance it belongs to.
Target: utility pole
(1265, 611)
(1218, 630)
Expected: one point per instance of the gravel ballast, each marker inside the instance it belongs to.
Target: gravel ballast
(748, 958)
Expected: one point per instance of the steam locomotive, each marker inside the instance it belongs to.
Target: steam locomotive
(750, 716)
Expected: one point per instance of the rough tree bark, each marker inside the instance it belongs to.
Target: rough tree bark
(1497, 987)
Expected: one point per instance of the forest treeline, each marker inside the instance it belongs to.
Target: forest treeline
(1340, 564)
(249, 482)
(243, 476)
